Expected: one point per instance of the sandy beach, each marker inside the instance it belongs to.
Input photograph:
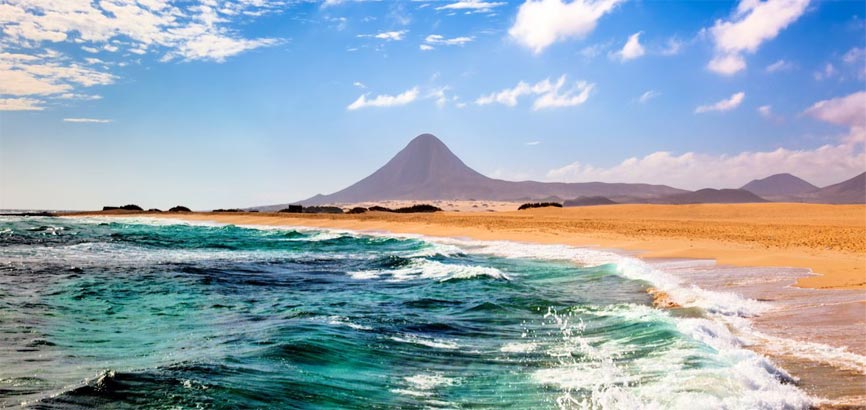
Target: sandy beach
(830, 240)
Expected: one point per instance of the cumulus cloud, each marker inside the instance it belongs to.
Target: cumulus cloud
(540, 23)
(727, 64)
(847, 111)
(87, 120)
(824, 165)
(724, 105)
(480, 6)
(548, 94)
(752, 23)
(385, 100)
(21, 104)
(632, 48)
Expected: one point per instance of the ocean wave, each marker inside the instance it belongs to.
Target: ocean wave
(426, 341)
(429, 269)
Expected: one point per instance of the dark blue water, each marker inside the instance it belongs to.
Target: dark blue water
(109, 313)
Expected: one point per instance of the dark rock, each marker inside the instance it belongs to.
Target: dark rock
(378, 208)
(179, 208)
(154, 210)
(539, 205)
(293, 209)
(418, 208)
(357, 210)
(323, 210)
(129, 207)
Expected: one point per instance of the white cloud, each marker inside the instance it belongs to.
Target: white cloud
(766, 111)
(849, 111)
(87, 120)
(359, 84)
(187, 31)
(425, 47)
(632, 48)
(436, 39)
(385, 100)
(387, 35)
(727, 64)
(723, 105)
(549, 94)
(780, 65)
(753, 23)
(824, 165)
(540, 23)
(533, 143)
(648, 95)
(177, 30)
(480, 6)
(21, 104)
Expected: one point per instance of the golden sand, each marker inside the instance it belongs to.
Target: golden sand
(828, 239)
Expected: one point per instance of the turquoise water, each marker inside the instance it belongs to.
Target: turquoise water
(110, 313)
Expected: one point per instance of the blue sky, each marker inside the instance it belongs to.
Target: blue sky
(250, 102)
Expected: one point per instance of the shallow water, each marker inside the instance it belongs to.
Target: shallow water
(139, 313)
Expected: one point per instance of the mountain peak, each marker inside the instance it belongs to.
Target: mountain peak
(426, 169)
(779, 185)
(425, 138)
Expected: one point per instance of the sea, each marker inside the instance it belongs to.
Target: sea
(141, 313)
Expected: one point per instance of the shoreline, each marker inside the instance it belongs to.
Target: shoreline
(790, 321)
(831, 245)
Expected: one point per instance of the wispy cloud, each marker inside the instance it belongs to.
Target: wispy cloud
(724, 105)
(114, 30)
(780, 65)
(439, 40)
(533, 143)
(21, 104)
(384, 100)
(542, 23)
(648, 95)
(548, 94)
(752, 23)
(472, 5)
(87, 120)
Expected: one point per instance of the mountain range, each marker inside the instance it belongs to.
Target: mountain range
(426, 169)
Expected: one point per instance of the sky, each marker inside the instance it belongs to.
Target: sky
(235, 103)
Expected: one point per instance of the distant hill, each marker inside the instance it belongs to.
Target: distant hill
(711, 196)
(851, 191)
(779, 187)
(427, 170)
(589, 201)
